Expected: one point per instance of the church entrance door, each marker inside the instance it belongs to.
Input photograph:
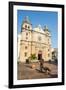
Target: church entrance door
(39, 55)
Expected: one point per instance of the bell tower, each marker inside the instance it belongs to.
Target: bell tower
(47, 32)
(26, 37)
(26, 24)
(48, 43)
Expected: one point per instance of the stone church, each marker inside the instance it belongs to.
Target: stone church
(35, 41)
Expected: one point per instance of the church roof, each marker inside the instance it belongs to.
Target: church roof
(26, 20)
(39, 29)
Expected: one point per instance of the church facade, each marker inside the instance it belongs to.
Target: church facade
(34, 41)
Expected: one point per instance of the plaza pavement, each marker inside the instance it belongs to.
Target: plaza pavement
(25, 71)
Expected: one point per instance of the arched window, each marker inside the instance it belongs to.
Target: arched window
(25, 26)
(26, 33)
(28, 27)
(25, 47)
(25, 54)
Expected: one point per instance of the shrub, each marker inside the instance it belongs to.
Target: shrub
(33, 57)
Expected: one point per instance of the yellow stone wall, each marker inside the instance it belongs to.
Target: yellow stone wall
(34, 45)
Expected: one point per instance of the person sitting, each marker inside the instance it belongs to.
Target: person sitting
(47, 70)
(42, 68)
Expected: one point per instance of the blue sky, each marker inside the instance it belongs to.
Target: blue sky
(43, 18)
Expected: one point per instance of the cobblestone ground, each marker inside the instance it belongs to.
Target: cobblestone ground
(26, 72)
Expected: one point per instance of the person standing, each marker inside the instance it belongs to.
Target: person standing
(41, 64)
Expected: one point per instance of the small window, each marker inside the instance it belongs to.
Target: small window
(48, 49)
(26, 37)
(25, 47)
(25, 54)
(21, 40)
(26, 33)
(25, 26)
